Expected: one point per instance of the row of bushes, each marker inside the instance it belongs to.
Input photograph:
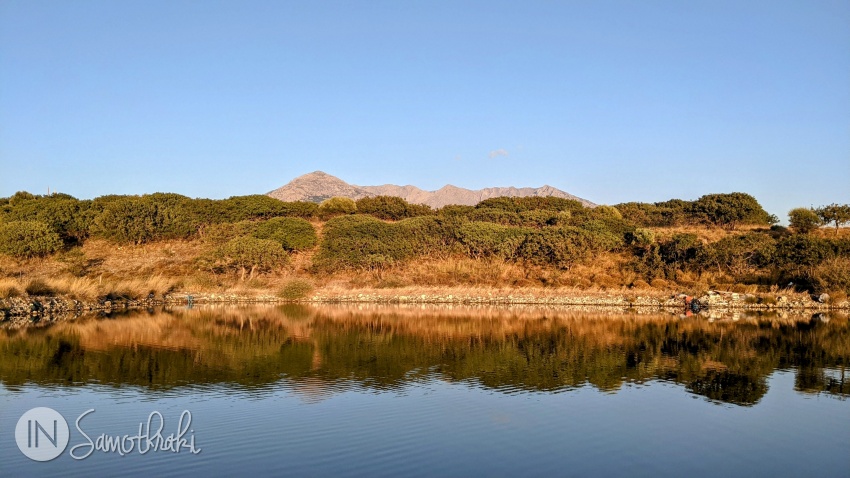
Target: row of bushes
(723, 210)
(140, 219)
(803, 260)
(361, 241)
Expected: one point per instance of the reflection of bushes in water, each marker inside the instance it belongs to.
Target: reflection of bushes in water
(729, 387)
(815, 379)
(726, 362)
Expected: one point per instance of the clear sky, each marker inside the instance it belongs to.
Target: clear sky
(609, 100)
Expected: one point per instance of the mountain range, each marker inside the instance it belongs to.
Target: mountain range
(318, 186)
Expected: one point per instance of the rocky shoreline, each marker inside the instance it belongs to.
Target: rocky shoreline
(38, 308)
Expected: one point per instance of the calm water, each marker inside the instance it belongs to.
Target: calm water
(338, 391)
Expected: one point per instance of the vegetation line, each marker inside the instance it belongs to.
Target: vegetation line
(138, 248)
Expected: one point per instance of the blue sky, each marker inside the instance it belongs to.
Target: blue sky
(609, 100)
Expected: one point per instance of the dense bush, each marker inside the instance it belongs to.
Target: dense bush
(140, 219)
(455, 211)
(541, 219)
(293, 233)
(484, 239)
(361, 241)
(494, 215)
(296, 289)
(681, 249)
(259, 206)
(336, 206)
(803, 220)
(728, 210)
(724, 210)
(429, 234)
(607, 233)
(391, 208)
(250, 253)
(63, 214)
(532, 203)
(560, 247)
(28, 239)
(802, 252)
(739, 254)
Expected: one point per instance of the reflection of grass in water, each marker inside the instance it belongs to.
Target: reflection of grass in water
(385, 349)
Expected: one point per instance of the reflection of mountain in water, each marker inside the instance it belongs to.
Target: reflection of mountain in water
(320, 351)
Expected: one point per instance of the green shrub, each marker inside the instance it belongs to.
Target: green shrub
(455, 210)
(63, 214)
(647, 262)
(640, 237)
(296, 289)
(361, 241)
(560, 247)
(259, 206)
(429, 234)
(494, 215)
(484, 239)
(541, 219)
(607, 211)
(250, 253)
(607, 234)
(728, 210)
(803, 220)
(336, 206)
(681, 250)
(802, 251)
(293, 233)
(28, 239)
(138, 220)
(739, 254)
(531, 203)
(391, 208)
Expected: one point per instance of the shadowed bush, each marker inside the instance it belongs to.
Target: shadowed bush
(250, 253)
(294, 234)
(484, 239)
(559, 247)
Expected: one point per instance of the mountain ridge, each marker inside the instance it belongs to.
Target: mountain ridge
(318, 186)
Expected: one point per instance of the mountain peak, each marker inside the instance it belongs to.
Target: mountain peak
(316, 187)
(319, 185)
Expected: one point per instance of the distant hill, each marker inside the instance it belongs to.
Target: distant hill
(318, 186)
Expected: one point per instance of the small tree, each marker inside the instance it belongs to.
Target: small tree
(838, 214)
(729, 210)
(803, 220)
(28, 239)
(258, 255)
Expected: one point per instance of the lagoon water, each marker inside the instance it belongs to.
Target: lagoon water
(435, 391)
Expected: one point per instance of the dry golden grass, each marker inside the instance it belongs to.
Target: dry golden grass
(706, 234)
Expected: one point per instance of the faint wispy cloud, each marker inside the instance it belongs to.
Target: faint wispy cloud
(498, 152)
